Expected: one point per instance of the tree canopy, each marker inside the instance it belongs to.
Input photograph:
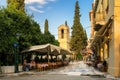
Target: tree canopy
(14, 22)
(19, 4)
(47, 36)
(16, 26)
(78, 34)
(46, 30)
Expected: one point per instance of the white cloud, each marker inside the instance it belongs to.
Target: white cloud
(35, 9)
(38, 1)
(35, 1)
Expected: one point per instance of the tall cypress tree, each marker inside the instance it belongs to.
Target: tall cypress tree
(84, 38)
(46, 27)
(76, 42)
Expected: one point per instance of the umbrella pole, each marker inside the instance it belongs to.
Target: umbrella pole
(48, 56)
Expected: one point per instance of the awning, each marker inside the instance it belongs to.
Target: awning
(37, 48)
(47, 48)
(102, 31)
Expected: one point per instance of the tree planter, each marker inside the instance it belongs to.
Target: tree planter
(9, 69)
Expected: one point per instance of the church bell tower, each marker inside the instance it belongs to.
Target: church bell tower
(63, 36)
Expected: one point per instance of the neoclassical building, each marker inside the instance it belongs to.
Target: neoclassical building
(64, 36)
(105, 33)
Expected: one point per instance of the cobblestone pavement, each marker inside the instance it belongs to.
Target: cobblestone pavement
(54, 77)
(56, 74)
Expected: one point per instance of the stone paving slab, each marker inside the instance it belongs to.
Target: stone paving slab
(54, 77)
(55, 74)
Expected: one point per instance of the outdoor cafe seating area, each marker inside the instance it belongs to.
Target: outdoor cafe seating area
(42, 66)
(50, 65)
(47, 58)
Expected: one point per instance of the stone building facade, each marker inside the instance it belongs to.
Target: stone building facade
(105, 33)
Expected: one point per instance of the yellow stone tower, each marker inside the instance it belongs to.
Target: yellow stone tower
(64, 36)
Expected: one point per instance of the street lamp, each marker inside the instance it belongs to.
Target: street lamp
(16, 44)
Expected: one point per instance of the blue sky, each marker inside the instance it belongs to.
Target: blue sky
(57, 12)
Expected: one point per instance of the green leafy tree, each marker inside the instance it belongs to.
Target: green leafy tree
(84, 38)
(19, 4)
(79, 56)
(12, 22)
(36, 33)
(56, 43)
(47, 37)
(76, 42)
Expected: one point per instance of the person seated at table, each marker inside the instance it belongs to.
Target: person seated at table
(32, 64)
(26, 66)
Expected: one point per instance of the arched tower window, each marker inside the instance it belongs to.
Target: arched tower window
(62, 33)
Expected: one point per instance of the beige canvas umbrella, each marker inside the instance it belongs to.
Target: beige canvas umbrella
(42, 48)
(37, 48)
(48, 48)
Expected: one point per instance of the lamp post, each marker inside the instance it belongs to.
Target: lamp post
(16, 44)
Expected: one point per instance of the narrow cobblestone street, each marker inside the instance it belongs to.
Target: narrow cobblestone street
(75, 71)
(53, 77)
